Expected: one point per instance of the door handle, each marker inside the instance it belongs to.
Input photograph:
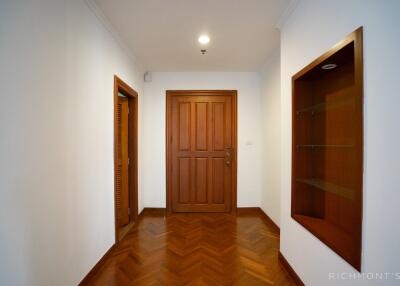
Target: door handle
(228, 156)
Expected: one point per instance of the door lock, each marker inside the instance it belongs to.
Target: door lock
(228, 156)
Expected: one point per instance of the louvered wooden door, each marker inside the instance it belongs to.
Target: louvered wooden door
(201, 153)
(122, 172)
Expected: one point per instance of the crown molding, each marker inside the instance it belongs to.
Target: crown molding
(95, 9)
(286, 14)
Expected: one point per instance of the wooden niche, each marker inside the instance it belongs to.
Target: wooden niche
(327, 148)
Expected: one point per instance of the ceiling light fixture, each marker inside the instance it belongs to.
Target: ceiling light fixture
(329, 66)
(204, 39)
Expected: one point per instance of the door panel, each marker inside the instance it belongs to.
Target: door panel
(184, 126)
(201, 168)
(201, 126)
(184, 180)
(201, 153)
(218, 134)
(218, 180)
(122, 183)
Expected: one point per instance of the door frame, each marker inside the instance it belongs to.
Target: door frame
(169, 95)
(121, 87)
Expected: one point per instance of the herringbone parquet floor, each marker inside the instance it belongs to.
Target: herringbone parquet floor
(197, 249)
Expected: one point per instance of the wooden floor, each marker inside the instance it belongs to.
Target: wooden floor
(197, 249)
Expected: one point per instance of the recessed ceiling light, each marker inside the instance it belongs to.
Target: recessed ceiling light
(329, 66)
(204, 39)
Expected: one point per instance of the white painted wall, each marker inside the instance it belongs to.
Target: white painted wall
(57, 63)
(311, 30)
(271, 137)
(249, 127)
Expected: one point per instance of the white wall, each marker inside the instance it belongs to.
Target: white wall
(271, 137)
(57, 64)
(249, 119)
(311, 30)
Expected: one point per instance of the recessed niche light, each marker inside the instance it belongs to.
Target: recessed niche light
(204, 39)
(329, 66)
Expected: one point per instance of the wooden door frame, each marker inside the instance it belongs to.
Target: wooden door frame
(169, 95)
(121, 87)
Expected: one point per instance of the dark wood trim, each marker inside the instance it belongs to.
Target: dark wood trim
(152, 209)
(168, 132)
(169, 95)
(132, 95)
(243, 210)
(359, 81)
(96, 268)
(153, 212)
(247, 210)
(235, 152)
(269, 221)
(289, 269)
(141, 214)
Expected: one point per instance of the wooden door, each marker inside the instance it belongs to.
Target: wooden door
(202, 159)
(125, 157)
(122, 172)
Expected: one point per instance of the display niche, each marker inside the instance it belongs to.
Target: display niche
(327, 166)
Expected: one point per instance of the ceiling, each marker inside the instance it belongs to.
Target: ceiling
(163, 34)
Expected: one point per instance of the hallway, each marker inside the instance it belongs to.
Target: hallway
(197, 249)
(267, 130)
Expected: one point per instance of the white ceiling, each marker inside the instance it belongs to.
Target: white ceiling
(163, 34)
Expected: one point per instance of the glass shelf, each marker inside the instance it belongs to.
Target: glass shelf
(324, 146)
(327, 105)
(329, 187)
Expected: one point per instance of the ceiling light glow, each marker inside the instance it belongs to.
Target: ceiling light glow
(204, 39)
(329, 66)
